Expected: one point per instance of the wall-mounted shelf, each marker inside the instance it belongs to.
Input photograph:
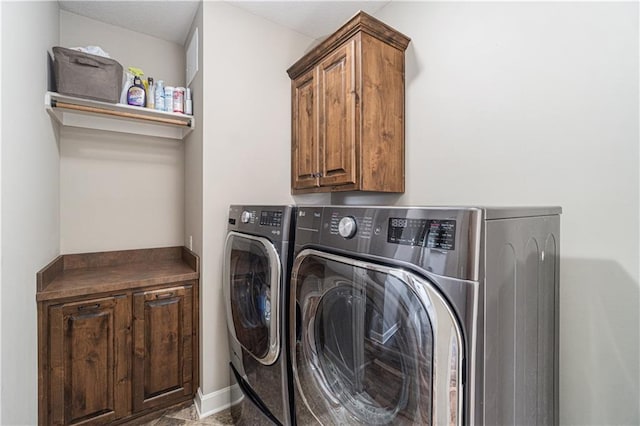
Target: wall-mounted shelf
(89, 114)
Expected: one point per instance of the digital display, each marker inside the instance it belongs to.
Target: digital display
(271, 218)
(431, 233)
(410, 232)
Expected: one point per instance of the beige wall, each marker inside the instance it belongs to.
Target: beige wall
(537, 103)
(158, 58)
(120, 191)
(246, 145)
(30, 213)
(193, 194)
(193, 151)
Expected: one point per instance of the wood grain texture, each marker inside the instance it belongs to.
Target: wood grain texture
(86, 338)
(163, 346)
(191, 258)
(121, 257)
(86, 353)
(382, 130)
(358, 135)
(336, 91)
(86, 274)
(43, 364)
(49, 273)
(361, 22)
(121, 114)
(304, 147)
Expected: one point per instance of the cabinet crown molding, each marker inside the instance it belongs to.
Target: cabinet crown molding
(361, 22)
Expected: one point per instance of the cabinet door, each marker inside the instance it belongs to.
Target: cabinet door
(337, 116)
(304, 147)
(163, 346)
(88, 351)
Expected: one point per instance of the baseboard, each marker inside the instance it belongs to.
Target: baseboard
(217, 401)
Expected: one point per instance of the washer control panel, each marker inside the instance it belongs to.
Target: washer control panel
(246, 216)
(271, 218)
(271, 221)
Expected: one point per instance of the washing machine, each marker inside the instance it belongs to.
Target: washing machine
(425, 315)
(255, 285)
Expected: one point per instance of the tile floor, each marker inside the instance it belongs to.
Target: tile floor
(189, 416)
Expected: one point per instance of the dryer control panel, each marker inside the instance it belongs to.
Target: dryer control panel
(430, 233)
(441, 240)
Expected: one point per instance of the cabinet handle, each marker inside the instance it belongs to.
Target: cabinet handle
(87, 307)
(164, 295)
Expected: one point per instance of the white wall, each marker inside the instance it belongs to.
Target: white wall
(537, 103)
(246, 146)
(120, 191)
(30, 213)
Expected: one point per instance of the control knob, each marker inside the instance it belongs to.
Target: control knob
(245, 217)
(347, 227)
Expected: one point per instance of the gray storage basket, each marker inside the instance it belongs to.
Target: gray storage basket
(87, 76)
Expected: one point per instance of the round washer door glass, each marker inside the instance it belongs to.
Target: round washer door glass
(369, 340)
(251, 287)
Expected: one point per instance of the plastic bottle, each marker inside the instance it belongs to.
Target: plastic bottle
(136, 95)
(188, 103)
(125, 87)
(151, 93)
(159, 103)
(178, 100)
(168, 98)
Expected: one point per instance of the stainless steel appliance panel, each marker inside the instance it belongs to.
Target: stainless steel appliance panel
(255, 285)
(495, 269)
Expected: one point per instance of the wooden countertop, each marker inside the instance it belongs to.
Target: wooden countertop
(91, 273)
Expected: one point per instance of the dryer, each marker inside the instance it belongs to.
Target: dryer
(421, 315)
(255, 285)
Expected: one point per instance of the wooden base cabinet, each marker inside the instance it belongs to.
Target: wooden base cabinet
(163, 346)
(89, 345)
(348, 111)
(116, 341)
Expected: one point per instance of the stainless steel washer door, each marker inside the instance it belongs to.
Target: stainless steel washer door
(251, 285)
(374, 345)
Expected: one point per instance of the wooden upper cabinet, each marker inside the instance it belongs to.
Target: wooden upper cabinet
(348, 111)
(163, 346)
(88, 343)
(337, 112)
(305, 126)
